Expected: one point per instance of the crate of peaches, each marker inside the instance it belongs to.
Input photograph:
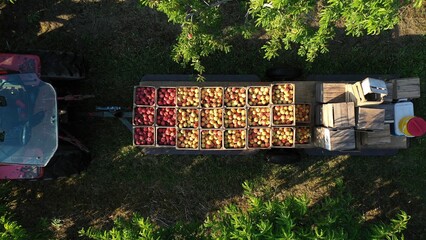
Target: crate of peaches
(188, 96)
(211, 97)
(144, 136)
(258, 96)
(235, 139)
(187, 139)
(303, 113)
(144, 96)
(166, 137)
(259, 138)
(303, 135)
(283, 115)
(283, 93)
(283, 137)
(211, 139)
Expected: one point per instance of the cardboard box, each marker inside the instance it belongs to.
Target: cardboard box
(337, 115)
(376, 137)
(370, 118)
(406, 88)
(331, 92)
(335, 140)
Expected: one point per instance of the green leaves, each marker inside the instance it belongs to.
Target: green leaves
(304, 24)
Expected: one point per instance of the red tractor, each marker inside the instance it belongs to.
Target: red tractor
(34, 143)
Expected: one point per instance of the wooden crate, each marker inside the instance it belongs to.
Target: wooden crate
(331, 92)
(376, 137)
(406, 88)
(337, 115)
(389, 111)
(335, 140)
(370, 118)
(389, 98)
(357, 95)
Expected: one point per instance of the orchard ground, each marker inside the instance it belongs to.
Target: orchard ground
(123, 41)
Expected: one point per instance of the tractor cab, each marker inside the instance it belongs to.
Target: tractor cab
(28, 123)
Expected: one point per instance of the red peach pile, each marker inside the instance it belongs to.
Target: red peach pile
(187, 118)
(211, 139)
(283, 94)
(166, 136)
(283, 115)
(166, 116)
(145, 96)
(187, 138)
(283, 137)
(303, 135)
(302, 112)
(235, 97)
(188, 97)
(211, 118)
(144, 116)
(259, 116)
(259, 138)
(166, 96)
(258, 96)
(235, 118)
(211, 97)
(144, 136)
(235, 138)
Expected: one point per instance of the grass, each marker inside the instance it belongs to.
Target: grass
(123, 41)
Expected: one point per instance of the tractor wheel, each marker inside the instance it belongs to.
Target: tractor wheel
(283, 73)
(61, 66)
(67, 161)
(283, 156)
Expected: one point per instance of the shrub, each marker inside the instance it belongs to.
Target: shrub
(293, 218)
(9, 229)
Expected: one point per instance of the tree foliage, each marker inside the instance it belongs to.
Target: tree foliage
(305, 24)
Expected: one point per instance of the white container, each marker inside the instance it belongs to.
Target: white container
(401, 110)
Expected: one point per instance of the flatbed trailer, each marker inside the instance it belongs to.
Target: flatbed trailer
(305, 93)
